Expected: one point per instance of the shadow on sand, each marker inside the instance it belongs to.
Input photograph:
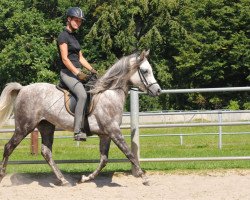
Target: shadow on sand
(49, 179)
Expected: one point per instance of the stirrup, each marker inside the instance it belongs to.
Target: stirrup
(80, 136)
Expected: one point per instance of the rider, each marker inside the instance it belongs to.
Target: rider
(71, 61)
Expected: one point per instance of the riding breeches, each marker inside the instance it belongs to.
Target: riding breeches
(77, 88)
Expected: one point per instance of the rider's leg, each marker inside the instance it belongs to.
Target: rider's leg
(79, 112)
(78, 90)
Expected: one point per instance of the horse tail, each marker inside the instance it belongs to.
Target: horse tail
(7, 100)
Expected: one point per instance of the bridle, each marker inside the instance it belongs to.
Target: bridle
(145, 82)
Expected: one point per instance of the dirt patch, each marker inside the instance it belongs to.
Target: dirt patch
(229, 184)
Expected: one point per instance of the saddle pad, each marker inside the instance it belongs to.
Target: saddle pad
(69, 100)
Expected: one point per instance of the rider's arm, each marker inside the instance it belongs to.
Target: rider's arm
(84, 62)
(64, 55)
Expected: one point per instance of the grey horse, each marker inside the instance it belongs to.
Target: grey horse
(41, 105)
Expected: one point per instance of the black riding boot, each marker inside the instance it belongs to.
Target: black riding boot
(81, 135)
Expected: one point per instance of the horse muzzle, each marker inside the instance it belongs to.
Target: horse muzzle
(154, 90)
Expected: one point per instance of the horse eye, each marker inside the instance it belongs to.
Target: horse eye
(144, 71)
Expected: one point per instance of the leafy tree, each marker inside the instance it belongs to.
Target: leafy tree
(28, 44)
(214, 51)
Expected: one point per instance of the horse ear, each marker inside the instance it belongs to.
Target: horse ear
(142, 56)
(147, 53)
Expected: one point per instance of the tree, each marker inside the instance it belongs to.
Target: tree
(27, 44)
(214, 52)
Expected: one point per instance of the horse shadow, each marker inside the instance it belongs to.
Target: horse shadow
(43, 179)
(49, 179)
(105, 179)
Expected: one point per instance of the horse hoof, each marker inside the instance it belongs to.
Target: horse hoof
(146, 182)
(84, 179)
(62, 183)
(66, 184)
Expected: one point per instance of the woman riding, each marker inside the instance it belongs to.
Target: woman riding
(71, 61)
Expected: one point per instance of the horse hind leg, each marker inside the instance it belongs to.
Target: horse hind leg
(15, 140)
(47, 132)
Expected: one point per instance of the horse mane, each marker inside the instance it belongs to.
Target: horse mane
(116, 76)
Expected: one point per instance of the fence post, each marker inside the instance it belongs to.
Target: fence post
(181, 139)
(220, 130)
(34, 142)
(134, 125)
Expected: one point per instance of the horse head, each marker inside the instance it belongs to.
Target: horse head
(143, 76)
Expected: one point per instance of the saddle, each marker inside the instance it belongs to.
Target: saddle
(70, 99)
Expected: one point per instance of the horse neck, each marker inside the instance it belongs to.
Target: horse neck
(121, 93)
(119, 101)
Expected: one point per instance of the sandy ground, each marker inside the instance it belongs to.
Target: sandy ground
(209, 185)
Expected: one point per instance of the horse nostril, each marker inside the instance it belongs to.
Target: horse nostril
(159, 90)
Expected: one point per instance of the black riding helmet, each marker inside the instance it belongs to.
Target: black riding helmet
(75, 12)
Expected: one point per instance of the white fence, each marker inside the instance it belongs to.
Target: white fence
(135, 145)
(134, 125)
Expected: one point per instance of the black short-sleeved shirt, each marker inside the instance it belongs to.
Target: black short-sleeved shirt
(73, 47)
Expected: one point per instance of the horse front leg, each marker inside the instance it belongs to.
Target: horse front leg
(104, 150)
(118, 139)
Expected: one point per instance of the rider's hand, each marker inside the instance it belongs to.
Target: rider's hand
(93, 71)
(81, 76)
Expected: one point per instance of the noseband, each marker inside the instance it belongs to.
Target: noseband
(144, 81)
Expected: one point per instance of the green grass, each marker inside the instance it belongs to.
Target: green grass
(151, 147)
